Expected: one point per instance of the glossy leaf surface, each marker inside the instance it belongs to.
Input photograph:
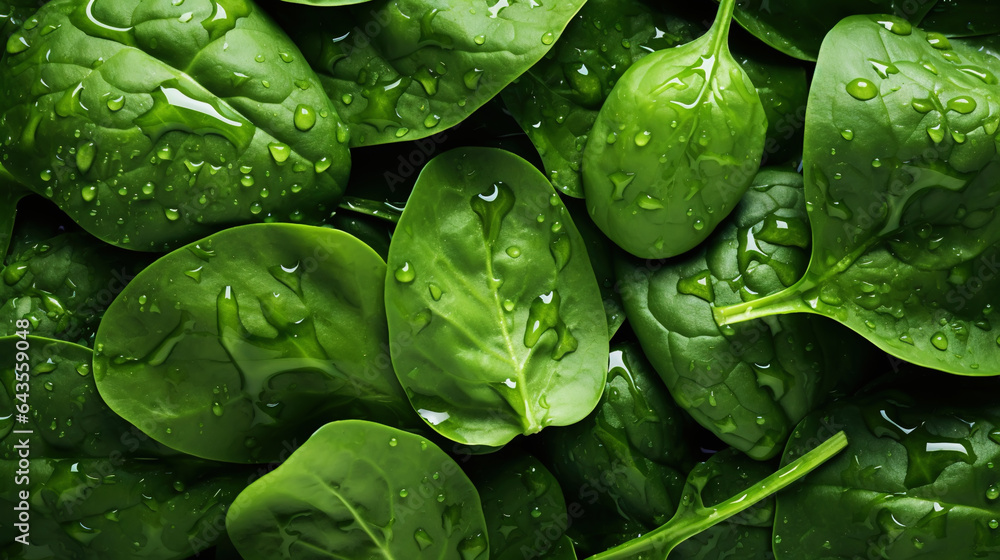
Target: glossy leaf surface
(405, 69)
(357, 489)
(751, 383)
(495, 317)
(919, 477)
(145, 142)
(905, 233)
(239, 346)
(675, 146)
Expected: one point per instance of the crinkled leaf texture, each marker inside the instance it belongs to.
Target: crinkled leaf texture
(121, 113)
(906, 237)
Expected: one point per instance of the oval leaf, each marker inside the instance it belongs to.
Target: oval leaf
(357, 489)
(145, 142)
(495, 314)
(239, 346)
(405, 69)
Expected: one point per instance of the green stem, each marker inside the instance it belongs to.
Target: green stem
(373, 208)
(720, 28)
(689, 521)
(788, 300)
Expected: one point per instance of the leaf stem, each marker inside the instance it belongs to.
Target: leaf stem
(788, 300)
(689, 521)
(720, 27)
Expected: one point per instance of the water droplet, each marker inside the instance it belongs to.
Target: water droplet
(256, 208)
(436, 291)
(431, 120)
(403, 493)
(172, 214)
(548, 38)
(480, 39)
(286, 57)
(405, 274)
(992, 493)
(620, 180)
(116, 103)
(279, 151)
(938, 41)
(642, 138)
(649, 202)
(940, 341)
(862, 89)
(543, 315)
(217, 409)
(259, 58)
(472, 78)
(936, 133)
(513, 252)
(896, 25)
(17, 43)
(699, 285)
(185, 17)
(46, 175)
(305, 117)
(847, 134)
(472, 547)
(994, 523)
(962, 104)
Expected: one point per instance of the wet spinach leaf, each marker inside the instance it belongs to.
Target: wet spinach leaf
(627, 460)
(556, 101)
(906, 238)
(524, 507)
(918, 479)
(13, 14)
(63, 285)
(495, 317)
(751, 383)
(405, 69)
(797, 28)
(240, 345)
(358, 489)
(674, 146)
(963, 18)
(143, 138)
(98, 488)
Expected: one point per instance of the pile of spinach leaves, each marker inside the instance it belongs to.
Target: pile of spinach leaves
(499, 279)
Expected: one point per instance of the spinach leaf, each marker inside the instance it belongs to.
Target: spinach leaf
(155, 124)
(905, 233)
(406, 69)
(524, 508)
(600, 250)
(97, 488)
(63, 285)
(675, 146)
(918, 479)
(495, 317)
(797, 28)
(556, 101)
(751, 383)
(13, 14)
(11, 192)
(694, 515)
(240, 345)
(628, 458)
(327, 3)
(358, 489)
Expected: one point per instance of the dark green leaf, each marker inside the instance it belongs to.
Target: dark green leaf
(357, 490)
(906, 238)
(495, 316)
(167, 121)
(918, 480)
(751, 383)
(405, 69)
(239, 346)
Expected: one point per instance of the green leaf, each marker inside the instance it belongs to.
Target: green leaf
(152, 124)
(523, 506)
(98, 488)
(327, 3)
(557, 100)
(240, 345)
(962, 18)
(918, 479)
(694, 515)
(11, 192)
(675, 146)
(797, 28)
(357, 489)
(13, 14)
(906, 239)
(633, 444)
(63, 285)
(507, 334)
(405, 69)
(751, 383)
